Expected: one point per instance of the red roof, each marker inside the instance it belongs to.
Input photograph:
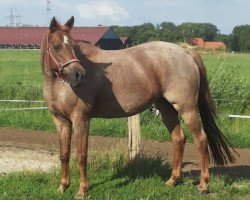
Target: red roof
(91, 34)
(197, 41)
(34, 35)
(123, 39)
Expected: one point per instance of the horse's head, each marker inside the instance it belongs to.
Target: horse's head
(60, 53)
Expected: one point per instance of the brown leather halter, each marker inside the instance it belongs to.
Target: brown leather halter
(59, 66)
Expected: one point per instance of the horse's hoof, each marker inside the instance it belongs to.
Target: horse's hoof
(79, 196)
(202, 190)
(170, 183)
(60, 189)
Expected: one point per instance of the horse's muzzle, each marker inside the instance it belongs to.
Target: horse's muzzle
(77, 77)
(74, 75)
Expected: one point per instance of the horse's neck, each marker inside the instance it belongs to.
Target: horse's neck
(87, 50)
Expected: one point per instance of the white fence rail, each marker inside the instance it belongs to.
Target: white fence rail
(43, 107)
(21, 101)
(239, 116)
(21, 109)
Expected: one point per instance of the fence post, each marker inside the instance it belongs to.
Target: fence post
(134, 136)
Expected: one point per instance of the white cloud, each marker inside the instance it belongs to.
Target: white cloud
(161, 3)
(17, 3)
(102, 9)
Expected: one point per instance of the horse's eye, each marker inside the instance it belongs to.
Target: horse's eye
(57, 47)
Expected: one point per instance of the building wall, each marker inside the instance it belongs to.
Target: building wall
(110, 44)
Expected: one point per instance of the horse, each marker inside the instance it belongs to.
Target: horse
(82, 82)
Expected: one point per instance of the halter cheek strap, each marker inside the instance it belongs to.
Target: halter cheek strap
(58, 67)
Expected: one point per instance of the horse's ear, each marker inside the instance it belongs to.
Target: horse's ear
(69, 24)
(53, 25)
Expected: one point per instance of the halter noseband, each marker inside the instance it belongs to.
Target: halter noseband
(59, 66)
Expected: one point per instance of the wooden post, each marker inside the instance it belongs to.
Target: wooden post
(134, 136)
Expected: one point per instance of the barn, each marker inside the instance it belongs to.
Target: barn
(31, 37)
(210, 45)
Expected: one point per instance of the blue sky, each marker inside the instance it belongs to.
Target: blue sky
(225, 14)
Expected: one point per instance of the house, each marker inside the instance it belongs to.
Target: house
(127, 42)
(31, 37)
(196, 41)
(210, 45)
(215, 45)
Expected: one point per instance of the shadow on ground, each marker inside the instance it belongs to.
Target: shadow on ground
(146, 167)
(235, 172)
(143, 167)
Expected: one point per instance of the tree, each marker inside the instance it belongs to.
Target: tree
(227, 39)
(241, 38)
(144, 33)
(167, 31)
(235, 46)
(207, 31)
(139, 34)
(188, 30)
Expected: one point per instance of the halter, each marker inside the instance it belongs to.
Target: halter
(59, 66)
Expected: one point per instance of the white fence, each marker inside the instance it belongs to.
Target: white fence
(43, 107)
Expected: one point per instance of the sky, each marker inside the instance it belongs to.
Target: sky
(225, 14)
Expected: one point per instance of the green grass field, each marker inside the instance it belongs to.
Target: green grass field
(111, 177)
(21, 78)
(230, 60)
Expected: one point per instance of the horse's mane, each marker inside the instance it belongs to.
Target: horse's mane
(86, 48)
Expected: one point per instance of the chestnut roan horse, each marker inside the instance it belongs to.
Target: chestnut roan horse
(82, 81)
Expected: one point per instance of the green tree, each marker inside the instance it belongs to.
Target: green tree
(227, 39)
(188, 30)
(241, 35)
(235, 46)
(207, 31)
(144, 33)
(139, 34)
(167, 31)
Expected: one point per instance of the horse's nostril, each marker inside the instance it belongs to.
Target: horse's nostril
(77, 74)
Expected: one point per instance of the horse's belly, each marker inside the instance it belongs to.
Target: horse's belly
(117, 113)
(122, 106)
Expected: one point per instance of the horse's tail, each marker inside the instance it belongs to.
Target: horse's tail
(218, 144)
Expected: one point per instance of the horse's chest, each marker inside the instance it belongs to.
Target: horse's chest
(61, 100)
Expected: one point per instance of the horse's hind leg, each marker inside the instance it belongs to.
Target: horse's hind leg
(190, 116)
(171, 121)
(64, 130)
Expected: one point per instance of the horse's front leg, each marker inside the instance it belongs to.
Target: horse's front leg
(81, 131)
(64, 131)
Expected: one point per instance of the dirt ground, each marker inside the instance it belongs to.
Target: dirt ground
(36, 150)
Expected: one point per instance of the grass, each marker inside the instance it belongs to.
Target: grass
(21, 78)
(112, 177)
(229, 60)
